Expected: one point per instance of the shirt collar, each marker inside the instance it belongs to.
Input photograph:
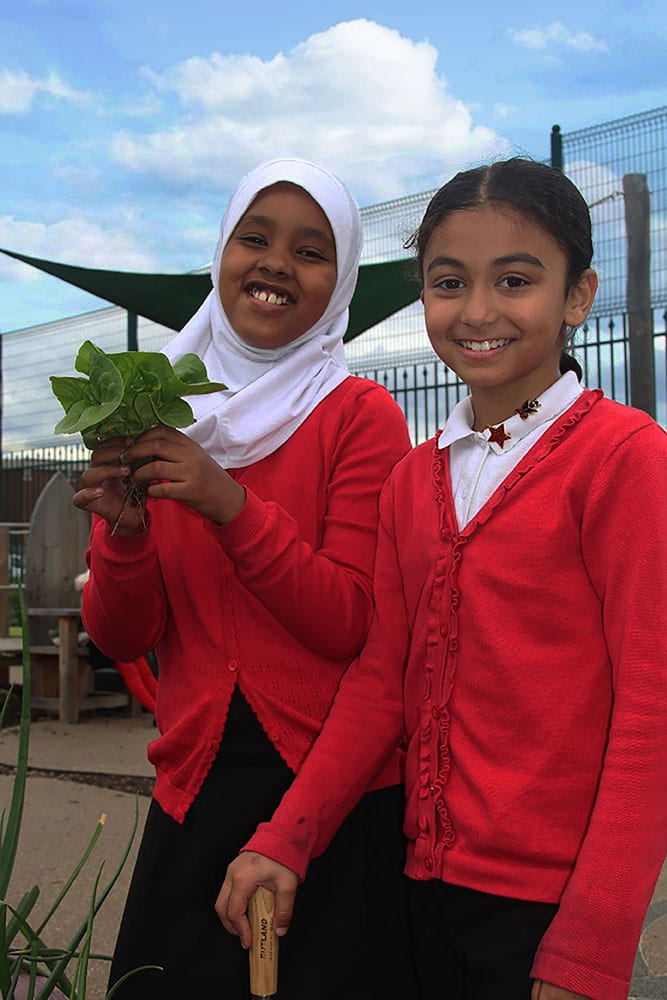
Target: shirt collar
(553, 401)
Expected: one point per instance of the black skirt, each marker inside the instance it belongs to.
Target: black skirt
(349, 936)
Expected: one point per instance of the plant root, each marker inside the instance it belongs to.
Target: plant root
(134, 496)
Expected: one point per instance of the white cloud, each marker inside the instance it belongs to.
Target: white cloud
(504, 110)
(359, 97)
(18, 91)
(557, 34)
(74, 240)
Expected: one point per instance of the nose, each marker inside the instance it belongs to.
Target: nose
(478, 307)
(275, 260)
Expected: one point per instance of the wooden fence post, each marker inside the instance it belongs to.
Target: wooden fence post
(638, 290)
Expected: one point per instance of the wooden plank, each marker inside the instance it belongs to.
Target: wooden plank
(54, 612)
(11, 644)
(46, 674)
(52, 650)
(91, 703)
(68, 669)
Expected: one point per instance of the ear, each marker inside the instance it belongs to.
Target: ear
(421, 296)
(580, 298)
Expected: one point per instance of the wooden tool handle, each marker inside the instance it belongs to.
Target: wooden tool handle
(264, 947)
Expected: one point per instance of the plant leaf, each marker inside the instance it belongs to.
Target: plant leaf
(191, 373)
(145, 410)
(174, 412)
(84, 356)
(190, 368)
(69, 390)
(128, 392)
(106, 382)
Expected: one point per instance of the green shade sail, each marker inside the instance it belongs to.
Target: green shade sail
(171, 299)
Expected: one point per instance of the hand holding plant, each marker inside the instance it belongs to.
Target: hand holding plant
(125, 395)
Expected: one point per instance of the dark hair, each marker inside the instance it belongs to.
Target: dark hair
(539, 192)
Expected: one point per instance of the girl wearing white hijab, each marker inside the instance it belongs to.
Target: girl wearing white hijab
(251, 578)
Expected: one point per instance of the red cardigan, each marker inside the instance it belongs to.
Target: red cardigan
(525, 656)
(278, 600)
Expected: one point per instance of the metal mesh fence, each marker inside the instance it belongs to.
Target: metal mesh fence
(396, 352)
(597, 159)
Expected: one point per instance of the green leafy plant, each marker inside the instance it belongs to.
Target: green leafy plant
(28, 967)
(128, 393)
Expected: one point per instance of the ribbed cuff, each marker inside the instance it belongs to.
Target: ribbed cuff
(245, 525)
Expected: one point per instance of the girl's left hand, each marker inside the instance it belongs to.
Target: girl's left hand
(546, 991)
(185, 472)
(245, 874)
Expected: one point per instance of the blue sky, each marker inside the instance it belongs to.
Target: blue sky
(124, 126)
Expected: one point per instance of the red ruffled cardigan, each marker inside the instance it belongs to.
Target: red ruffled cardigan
(526, 658)
(278, 600)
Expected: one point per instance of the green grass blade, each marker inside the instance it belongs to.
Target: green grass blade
(73, 876)
(4, 958)
(10, 840)
(23, 909)
(54, 959)
(81, 972)
(75, 941)
(128, 975)
(58, 971)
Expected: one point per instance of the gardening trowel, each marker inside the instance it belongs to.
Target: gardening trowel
(264, 947)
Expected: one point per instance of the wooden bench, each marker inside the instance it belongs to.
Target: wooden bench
(10, 655)
(57, 541)
(62, 679)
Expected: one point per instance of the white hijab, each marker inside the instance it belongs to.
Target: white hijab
(271, 391)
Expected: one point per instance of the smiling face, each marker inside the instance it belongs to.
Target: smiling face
(496, 303)
(278, 269)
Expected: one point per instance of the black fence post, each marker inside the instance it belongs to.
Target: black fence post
(132, 340)
(556, 148)
(2, 393)
(640, 314)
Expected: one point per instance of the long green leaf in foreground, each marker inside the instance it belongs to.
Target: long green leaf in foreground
(71, 948)
(10, 838)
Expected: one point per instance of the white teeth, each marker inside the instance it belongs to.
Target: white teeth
(270, 297)
(483, 345)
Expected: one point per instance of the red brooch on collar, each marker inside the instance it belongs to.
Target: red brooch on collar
(528, 407)
(497, 435)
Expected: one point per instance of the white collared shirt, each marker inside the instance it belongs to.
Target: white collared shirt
(478, 466)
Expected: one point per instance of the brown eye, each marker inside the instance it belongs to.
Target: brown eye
(253, 240)
(513, 281)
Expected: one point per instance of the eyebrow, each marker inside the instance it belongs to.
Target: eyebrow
(511, 258)
(313, 231)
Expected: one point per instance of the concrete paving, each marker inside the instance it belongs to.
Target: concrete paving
(61, 815)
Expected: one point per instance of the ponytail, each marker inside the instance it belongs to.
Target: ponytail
(570, 364)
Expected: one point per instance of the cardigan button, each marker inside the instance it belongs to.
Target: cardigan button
(435, 712)
(428, 862)
(233, 665)
(444, 629)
